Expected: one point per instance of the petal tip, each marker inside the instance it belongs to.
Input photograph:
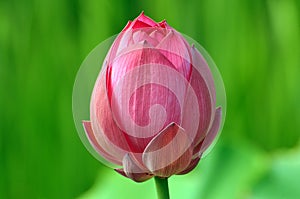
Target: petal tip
(168, 153)
(133, 170)
(121, 171)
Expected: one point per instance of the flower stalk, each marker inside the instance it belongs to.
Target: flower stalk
(162, 188)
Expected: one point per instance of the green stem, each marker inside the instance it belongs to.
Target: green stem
(162, 188)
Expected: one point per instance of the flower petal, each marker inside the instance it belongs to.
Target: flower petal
(191, 166)
(124, 39)
(121, 171)
(121, 42)
(213, 131)
(107, 133)
(164, 24)
(127, 26)
(141, 100)
(197, 149)
(157, 34)
(147, 98)
(200, 64)
(206, 108)
(133, 170)
(134, 56)
(169, 152)
(174, 47)
(91, 136)
(141, 35)
(143, 21)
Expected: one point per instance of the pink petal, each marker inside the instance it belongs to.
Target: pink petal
(123, 39)
(107, 133)
(213, 131)
(121, 171)
(191, 166)
(127, 26)
(206, 108)
(202, 67)
(169, 152)
(197, 149)
(121, 42)
(175, 49)
(157, 34)
(133, 170)
(139, 24)
(141, 35)
(164, 24)
(134, 56)
(91, 136)
(146, 98)
(143, 21)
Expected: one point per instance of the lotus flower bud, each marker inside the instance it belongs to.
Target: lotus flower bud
(153, 107)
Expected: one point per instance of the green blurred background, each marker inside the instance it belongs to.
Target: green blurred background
(255, 44)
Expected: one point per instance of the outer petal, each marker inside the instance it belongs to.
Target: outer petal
(169, 152)
(202, 67)
(212, 133)
(148, 97)
(206, 108)
(132, 170)
(121, 171)
(191, 166)
(197, 149)
(127, 26)
(91, 136)
(121, 42)
(107, 133)
(213, 130)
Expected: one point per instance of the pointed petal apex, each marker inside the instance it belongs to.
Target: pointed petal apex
(168, 153)
(127, 26)
(164, 24)
(143, 21)
(143, 18)
(121, 171)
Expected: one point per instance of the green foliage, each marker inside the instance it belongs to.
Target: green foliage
(255, 44)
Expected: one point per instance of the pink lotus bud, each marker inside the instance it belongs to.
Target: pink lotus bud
(153, 108)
